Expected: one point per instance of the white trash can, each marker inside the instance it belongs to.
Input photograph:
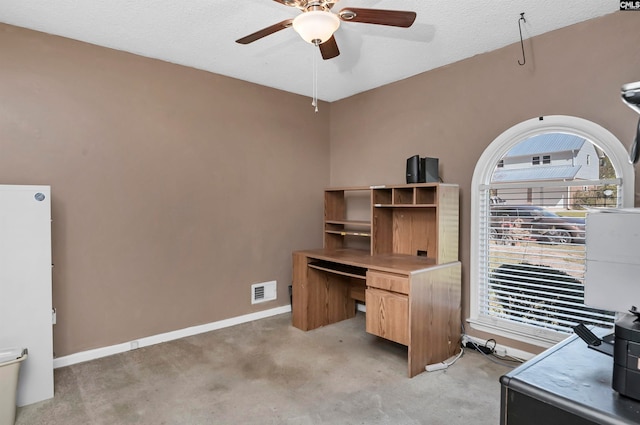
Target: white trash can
(10, 361)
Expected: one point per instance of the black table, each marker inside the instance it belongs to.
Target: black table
(567, 384)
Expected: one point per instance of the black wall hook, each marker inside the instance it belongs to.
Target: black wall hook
(524, 59)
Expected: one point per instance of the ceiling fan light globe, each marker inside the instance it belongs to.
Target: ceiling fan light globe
(316, 26)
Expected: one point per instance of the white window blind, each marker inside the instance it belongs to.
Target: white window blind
(532, 252)
(498, 302)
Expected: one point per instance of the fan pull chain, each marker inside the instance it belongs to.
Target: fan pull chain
(314, 101)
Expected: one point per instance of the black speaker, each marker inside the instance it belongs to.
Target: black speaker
(422, 170)
(429, 170)
(413, 169)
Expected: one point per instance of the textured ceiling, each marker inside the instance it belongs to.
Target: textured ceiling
(202, 33)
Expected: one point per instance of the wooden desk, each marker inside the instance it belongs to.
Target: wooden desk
(410, 299)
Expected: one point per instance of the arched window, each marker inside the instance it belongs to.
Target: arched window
(531, 190)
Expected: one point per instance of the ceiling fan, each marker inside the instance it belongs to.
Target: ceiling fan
(317, 23)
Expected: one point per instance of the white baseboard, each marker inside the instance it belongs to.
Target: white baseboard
(97, 353)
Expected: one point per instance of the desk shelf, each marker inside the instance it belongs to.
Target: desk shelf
(338, 268)
(416, 219)
(347, 217)
(347, 228)
(349, 222)
(398, 219)
(348, 233)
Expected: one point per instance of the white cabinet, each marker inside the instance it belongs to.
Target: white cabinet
(25, 286)
(613, 259)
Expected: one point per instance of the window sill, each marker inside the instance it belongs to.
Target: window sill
(538, 337)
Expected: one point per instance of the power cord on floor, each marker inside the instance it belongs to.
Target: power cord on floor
(443, 365)
(485, 349)
(489, 351)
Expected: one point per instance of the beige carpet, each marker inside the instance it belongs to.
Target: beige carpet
(267, 372)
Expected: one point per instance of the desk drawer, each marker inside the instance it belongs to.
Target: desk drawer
(388, 282)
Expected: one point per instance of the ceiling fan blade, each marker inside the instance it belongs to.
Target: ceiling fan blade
(329, 49)
(394, 18)
(265, 32)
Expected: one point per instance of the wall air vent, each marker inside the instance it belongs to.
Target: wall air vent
(261, 292)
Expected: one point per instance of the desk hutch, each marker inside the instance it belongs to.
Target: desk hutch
(399, 257)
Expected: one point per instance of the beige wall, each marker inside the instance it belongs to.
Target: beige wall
(455, 112)
(173, 190)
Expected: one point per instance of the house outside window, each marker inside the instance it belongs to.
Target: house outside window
(528, 252)
(546, 159)
(535, 160)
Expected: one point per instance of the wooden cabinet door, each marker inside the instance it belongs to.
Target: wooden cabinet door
(388, 315)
